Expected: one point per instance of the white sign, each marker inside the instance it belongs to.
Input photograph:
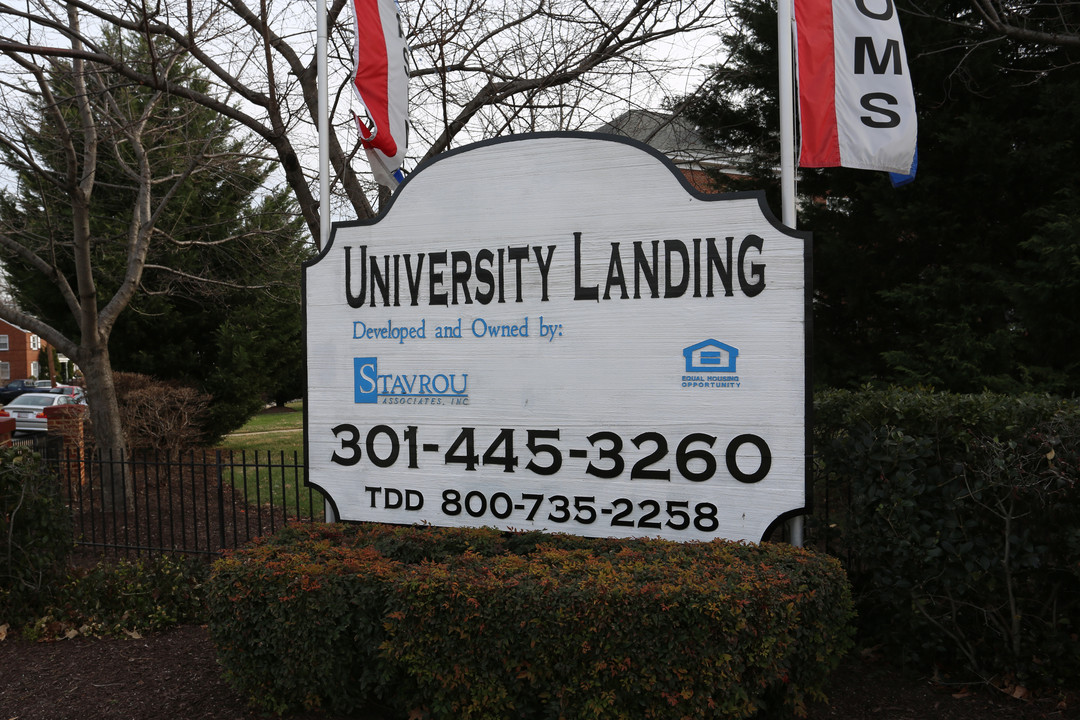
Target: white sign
(557, 333)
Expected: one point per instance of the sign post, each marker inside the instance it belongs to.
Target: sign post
(556, 332)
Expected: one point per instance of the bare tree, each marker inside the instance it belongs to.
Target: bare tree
(1046, 23)
(64, 119)
(1049, 23)
(481, 68)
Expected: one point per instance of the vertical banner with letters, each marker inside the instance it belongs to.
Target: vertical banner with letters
(856, 103)
(556, 332)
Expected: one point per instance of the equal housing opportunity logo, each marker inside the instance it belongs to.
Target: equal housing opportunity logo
(418, 388)
(710, 364)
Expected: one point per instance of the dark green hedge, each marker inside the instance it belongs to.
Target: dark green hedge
(453, 623)
(35, 535)
(122, 598)
(958, 519)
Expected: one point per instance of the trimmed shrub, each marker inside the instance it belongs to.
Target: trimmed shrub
(160, 415)
(962, 528)
(35, 534)
(473, 623)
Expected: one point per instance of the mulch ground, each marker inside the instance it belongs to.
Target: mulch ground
(175, 675)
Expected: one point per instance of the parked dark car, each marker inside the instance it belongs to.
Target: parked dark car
(15, 388)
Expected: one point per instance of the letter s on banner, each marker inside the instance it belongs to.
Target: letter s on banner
(381, 82)
(856, 104)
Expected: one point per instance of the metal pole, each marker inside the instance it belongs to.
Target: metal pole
(787, 114)
(785, 32)
(324, 128)
(324, 152)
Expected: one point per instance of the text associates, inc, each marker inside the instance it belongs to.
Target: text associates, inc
(388, 330)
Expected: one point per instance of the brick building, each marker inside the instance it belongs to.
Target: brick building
(21, 354)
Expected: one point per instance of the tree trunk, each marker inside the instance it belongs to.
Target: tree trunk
(117, 484)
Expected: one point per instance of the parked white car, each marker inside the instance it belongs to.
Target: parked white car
(29, 410)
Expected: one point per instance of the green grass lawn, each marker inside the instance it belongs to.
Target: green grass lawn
(271, 445)
(274, 420)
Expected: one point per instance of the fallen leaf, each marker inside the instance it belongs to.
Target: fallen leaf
(133, 634)
(1020, 692)
(3, 632)
(71, 633)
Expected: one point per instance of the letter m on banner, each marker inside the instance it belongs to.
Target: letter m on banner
(856, 105)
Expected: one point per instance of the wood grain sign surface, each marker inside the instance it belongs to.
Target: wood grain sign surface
(555, 332)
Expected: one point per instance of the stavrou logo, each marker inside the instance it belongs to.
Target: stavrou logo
(420, 388)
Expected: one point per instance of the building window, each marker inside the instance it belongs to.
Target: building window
(5, 368)
(35, 370)
(3, 342)
(35, 342)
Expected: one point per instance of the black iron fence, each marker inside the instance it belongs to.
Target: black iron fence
(198, 503)
(203, 501)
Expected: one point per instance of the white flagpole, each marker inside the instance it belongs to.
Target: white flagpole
(787, 158)
(787, 114)
(324, 128)
(324, 156)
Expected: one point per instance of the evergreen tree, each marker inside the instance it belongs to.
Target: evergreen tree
(966, 278)
(222, 261)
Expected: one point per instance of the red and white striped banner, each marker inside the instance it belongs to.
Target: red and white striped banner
(381, 82)
(856, 104)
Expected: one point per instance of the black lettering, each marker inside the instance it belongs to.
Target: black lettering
(714, 261)
(886, 14)
(672, 248)
(517, 254)
(892, 118)
(435, 278)
(502, 278)
(764, 464)
(382, 280)
(484, 275)
(357, 300)
(414, 282)
(397, 280)
(697, 267)
(642, 267)
(460, 277)
(580, 293)
(757, 270)
(372, 491)
(864, 50)
(544, 266)
(615, 275)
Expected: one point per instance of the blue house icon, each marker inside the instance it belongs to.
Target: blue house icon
(710, 356)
